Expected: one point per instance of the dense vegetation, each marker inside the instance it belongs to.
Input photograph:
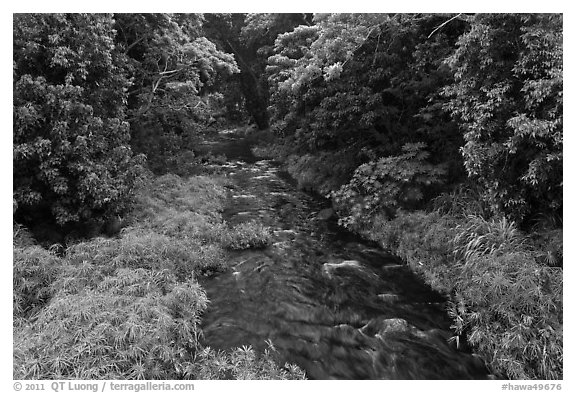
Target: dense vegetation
(90, 92)
(438, 136)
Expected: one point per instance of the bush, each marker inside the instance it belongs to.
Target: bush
(423, 241)
(386, 185)
(183, 208)
(511, 309)
(149, 250)
(321, 172)
(507, 304)
(72, 158)
(241, 363)
(246, 235)
(507, 96)
(126, 307)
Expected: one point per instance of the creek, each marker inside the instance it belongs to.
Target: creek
(337, 306)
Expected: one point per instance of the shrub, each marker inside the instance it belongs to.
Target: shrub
(423, 241)
(183, 208)
(507, 304)
(246, 235)
(512, 313)
(322, 172)
(72, 158)
(464, 200)
(150, 250)
(120, 308)
(386, 185)
(507, 96)
(241, 363)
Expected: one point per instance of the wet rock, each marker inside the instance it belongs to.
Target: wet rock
(331, 267)
(285, 234)
(388, 297)
(380, 327)
(392, 268)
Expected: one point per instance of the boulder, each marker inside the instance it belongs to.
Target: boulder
(331, 267)
(380, 327)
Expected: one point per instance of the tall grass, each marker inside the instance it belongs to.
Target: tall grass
(503, 299)
(127, 307)
(246, 235)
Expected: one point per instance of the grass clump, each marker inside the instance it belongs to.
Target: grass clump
(242, 364)
(250, 234)
(133, 325)
(34, 271)
(119, 308)
(503, 299)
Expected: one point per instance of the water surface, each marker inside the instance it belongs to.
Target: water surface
(337, 306)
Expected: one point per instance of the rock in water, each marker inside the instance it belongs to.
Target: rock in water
(379, 327)
(329, 268)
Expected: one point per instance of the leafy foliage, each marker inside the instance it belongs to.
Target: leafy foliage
(71, 142)
(387, 184)
(322, 172)
(508, 98)
(173, 68)
(250, 37)
(361, 80)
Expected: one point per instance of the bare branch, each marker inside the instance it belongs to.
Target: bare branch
(444, 24)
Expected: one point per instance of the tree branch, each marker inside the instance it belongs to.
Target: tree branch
(132, 45)
(444, 24)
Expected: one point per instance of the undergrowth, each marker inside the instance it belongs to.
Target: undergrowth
(242, 363)
(130, 307)
(322, 172)
(504, 300)
(247, 235)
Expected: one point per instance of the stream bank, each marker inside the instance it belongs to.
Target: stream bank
(336, 305)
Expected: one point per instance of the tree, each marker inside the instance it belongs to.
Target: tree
(369, 84)
(172, 67)
(250, 37)
(72, 159)
(507, 97)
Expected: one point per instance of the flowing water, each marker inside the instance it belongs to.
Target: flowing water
(337, 306)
